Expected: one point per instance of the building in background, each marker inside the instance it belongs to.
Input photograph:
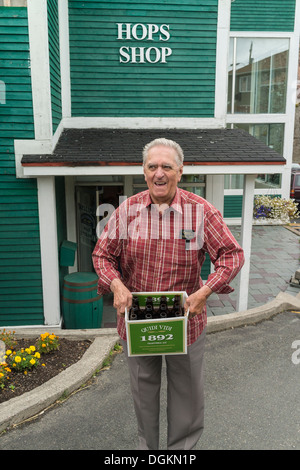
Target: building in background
(85, 84)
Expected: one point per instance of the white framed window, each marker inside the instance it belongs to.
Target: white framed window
(13, 3)
(258, 75)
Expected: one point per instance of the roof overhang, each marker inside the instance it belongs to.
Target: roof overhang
(119, 151)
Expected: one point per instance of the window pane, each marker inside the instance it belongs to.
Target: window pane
(200, 191)
(193, 178)
(260, 79)
(233, 181)
(270, 134)
(13, 3)
(268, 181)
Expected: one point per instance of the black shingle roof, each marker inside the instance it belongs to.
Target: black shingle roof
(81, 147)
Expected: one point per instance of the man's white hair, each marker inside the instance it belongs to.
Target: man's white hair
(167, 143)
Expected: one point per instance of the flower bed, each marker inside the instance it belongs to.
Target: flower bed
(30, 363)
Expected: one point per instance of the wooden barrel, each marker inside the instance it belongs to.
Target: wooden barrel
(82, 306)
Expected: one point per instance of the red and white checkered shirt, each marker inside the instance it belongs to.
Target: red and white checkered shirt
(157, 253)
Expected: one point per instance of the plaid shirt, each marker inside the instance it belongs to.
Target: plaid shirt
(166, 252)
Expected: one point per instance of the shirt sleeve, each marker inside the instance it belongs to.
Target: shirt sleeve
(224, 251)
(105, 255)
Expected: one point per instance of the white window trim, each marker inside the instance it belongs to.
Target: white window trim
(288, 118)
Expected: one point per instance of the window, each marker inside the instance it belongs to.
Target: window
(270, 134)
(261, 182)
(233, 181)
(257, 80)
(13, 3)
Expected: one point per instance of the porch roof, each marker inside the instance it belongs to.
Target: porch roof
(111, 147)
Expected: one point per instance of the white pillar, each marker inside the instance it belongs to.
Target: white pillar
(63, 16)
(246, 239)
(40, 70)
(49, 249)
(215, 191)
(223, 30)
(71, 215)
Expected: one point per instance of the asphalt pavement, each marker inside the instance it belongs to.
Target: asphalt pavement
(251, 389)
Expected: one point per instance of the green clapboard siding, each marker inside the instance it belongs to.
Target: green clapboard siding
(184, 86)
(21, 300)
(233, 206)
(54, 59)
(263, 15)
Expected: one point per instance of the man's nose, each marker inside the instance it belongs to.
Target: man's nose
(159, 172)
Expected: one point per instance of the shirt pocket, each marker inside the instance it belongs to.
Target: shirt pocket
(183, 256)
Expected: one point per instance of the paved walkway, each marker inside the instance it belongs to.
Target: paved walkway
(275, 256)
(274, 259)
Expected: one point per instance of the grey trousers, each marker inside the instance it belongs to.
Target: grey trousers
(185, 396)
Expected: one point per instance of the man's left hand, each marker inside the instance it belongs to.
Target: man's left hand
(196, 301)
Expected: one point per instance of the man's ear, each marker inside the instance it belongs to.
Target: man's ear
(180, 173)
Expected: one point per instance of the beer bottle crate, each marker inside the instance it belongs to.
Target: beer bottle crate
(157, 336)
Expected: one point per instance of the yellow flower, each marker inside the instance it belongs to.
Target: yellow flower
(8, 352)
(32, 348)
(44, 365)
(28, 350)
(52, 336)
(43, 345)
(37, 354)
(25, 372)
(32, 361)
(18, 359)
(1, 375)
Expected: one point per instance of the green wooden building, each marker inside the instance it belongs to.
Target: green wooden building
(79, 78)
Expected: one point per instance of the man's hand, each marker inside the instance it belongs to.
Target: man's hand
(196, 301)
(122, 296)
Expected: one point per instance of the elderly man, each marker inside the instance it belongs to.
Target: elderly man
(150, 260)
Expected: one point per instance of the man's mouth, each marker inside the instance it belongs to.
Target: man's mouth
(160, 183)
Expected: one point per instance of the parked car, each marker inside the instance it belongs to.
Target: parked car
(295, 184)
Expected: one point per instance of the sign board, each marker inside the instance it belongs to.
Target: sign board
(143, 32)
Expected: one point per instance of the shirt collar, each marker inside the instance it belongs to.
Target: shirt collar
(175, 204)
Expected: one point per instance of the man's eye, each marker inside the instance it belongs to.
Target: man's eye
(167, 167)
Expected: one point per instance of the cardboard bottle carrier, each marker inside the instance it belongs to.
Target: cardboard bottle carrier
(159, 336)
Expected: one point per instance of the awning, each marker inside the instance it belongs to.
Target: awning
(123, 147)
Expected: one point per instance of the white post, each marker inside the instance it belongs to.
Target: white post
(40, 70)
(215, 191)
(246, 239)
(49, 249)
(224, 8)
(71, 215)
(63, 16)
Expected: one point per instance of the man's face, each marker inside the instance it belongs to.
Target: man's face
(162, 174)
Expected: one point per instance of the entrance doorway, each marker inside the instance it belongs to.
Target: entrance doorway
(88, 198)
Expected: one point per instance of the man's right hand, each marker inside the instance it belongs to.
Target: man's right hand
(122, 296)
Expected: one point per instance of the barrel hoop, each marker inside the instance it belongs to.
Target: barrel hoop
(80, 290)
(81, 284)
(86, 301)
